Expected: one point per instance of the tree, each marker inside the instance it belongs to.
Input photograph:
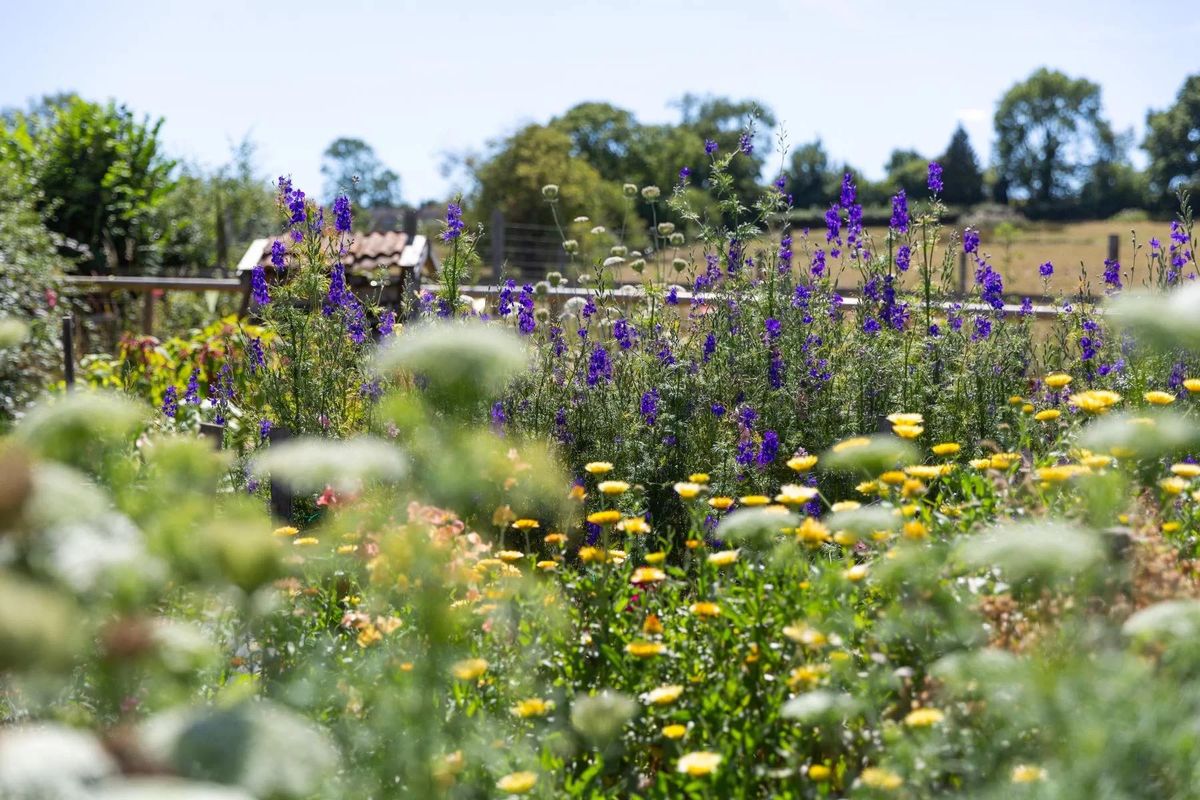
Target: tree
(1048, 129)
(960, 171)
(100, 175)
(908, 170)
(810, 179)
(1173, 144)
(350, 166)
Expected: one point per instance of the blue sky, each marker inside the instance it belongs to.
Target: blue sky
(420, 79)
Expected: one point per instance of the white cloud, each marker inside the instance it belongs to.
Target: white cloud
(973, 115)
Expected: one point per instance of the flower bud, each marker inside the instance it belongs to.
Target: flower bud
(599, 229)
(666, 228)
(585, 279)
(651, 193)
(677, 239)
(679, 264)
(542, 315)
(630, 190)
(618, 250)
(541, 288)
(554, 278)
(571, 246)
(613, 261)
(638, 265)
(550, 191)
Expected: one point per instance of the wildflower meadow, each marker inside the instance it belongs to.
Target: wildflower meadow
(722, 531)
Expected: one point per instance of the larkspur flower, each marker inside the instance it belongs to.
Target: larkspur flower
(387, 323)
(833, 225)
(1046, 270)
(746, 143)
(599, 366)
(499, 418)
(258, 286)
(1112, 273)
(785, 254)
(849, 191)
(257, 357)
(717, 410)
(775, 369)
(192, 393)
(649, 407)
(264, 429)
(903, 257)
(769, 449)
(899, 220)
(710, 147)
(710, 346)
(341, 214)
(170, 403)
(773, 328)
(454, 223)
(336, 296)
(684, 172)
(817, 265)
(871, 326)
(983, 329)
(970, 240)
(935, 177)
(278, 254)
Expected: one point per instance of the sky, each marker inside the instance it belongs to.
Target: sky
(421, 80)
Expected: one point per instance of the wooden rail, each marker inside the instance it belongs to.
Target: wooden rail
(148, 285)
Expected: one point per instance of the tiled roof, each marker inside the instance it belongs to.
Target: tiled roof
(367, 251)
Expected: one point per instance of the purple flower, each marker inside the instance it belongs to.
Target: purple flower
(1178, 234)
(258, 286)
(775, 370)
(833, 225)
(747, 416)
(683, 173)
(454, 223)
(599, 366)
(338, 295)
(387, 323)
(192, 394)
(1046, 270)
(710, 346)
(970, 240)
(257, 357)
(264, 428)
(170, 403)
(649, 407)
(370, 390)
(499, 418)
(717, 410)
(903, 257)
(849, 191)
(983, 329)
(769, 448)
(871, 326)
(817, 265)
(1026, 306)
(341, 214)
(746, 143)
(1155, 245)
(991, 285)
(785, 254)
(774, 328)
(710, 147)
(935, 177)
(1112, 273)
(900, 212)
(673, 296)
(278, 254)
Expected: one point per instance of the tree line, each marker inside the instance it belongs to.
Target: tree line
(113, 199)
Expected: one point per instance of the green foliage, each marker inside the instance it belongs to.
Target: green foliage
(1173, 144)
(960, 171)
(100, 176)
(351, 167)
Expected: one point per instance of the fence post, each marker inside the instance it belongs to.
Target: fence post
(215, 433)
(497, 234)
(1114, 245)
(148, 312)
(962, 273)
(68, 343)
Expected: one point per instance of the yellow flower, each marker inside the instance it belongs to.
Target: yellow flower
(720, 503)
(469, 669)
(526, 524)
(286, 530)
(1027, 408)
(604, 517)
(1097, 462)
(723, 558)
(845, 505)
(792, 495)
(699, 763)
(867, 487)
(812, 533)
(876, 778)
(547, 566)
(705, 609)
(598, 467)
(802, 634)
(907, 431)
(698, 477)
(915, 529)
(924, 718)
(306, 541)
(946, 448)
(1047, 415)
(510, 556)
(845, 538)
(663, 695)
(906, 419)
(533, 707)
(694, 544)
(612, 487)
(1057, 380)
(1027, 773)
(1016, 400)
(980, 463)
(590, 554)
(802, 463)
(1095, 401)
(517, 782)
(1060, 472)
(643, 649)
(634, 525)
(674, 731)
(851, 444)
(687, 490)
(893, 477)
(577, 493)
(1173, 486)
(368, 635)
(926, 472)
(857, 573)
(647, 575)
(1192, 385)
(1004, 460)
(819, 773)
(909, 510)
(806, 676)
(1157, 398)
(657, 557)
(346, 549)
(1171, 527)
(652, 626)
(754, 500)
(1186, 470)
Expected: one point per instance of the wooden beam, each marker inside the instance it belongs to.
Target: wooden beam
(112, 283)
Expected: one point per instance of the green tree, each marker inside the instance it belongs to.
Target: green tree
(1048, 130)
(960, 171)
(100, 175)
(908, 170)
(351, 166)
(811, 180)
(1173, 144)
